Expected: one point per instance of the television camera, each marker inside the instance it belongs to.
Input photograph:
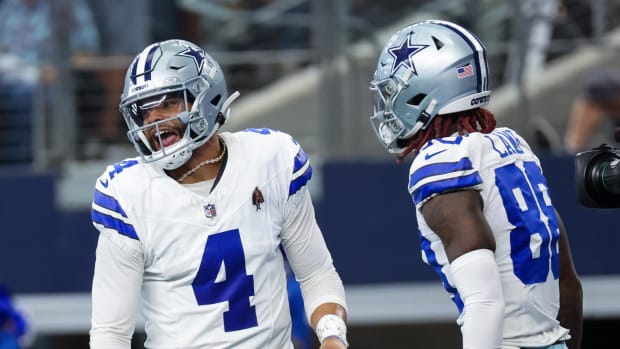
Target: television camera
(597, 175)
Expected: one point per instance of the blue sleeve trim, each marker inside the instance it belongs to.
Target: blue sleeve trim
(300, 181)
(438, 169)
(300, 160)
(441, 186)
(114, 223)
(108, 202)
(302, 172)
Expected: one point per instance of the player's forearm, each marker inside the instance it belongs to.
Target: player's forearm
(117, 281)
(103, 339)
(325, 309)
(476, 277)
(329, 322)
(571, 313)
(110, 331)
(325, 303)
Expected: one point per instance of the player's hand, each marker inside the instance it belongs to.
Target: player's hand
(332, 343)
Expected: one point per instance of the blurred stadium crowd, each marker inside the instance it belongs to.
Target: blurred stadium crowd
(62, 62)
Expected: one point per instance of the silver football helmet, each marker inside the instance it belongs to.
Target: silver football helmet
(174, 68)
(425, 69)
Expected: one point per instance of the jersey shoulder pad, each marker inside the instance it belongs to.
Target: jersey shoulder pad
(444, 164)
(122, 173)
(266, 141)
(280, 149)
(109, 210)
(271, 137)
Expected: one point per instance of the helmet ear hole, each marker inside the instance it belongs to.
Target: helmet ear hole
(417, 99)
(216, 100)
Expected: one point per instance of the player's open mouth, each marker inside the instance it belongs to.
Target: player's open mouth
(164, 138)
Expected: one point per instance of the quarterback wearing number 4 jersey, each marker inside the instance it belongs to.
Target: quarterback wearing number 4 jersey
(487, 224)
(195, 227)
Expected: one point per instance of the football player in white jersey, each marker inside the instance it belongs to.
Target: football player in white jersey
(486, 221)
(193, 229)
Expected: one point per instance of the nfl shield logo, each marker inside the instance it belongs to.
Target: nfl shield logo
(210, 211)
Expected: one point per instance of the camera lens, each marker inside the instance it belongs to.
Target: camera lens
(602, 177)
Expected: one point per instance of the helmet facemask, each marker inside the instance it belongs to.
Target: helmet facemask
(392, 130)
(160, 141)
(386, 125)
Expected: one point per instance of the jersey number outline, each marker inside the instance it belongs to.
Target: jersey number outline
(524, 193)
(226, 248)
(120, 166)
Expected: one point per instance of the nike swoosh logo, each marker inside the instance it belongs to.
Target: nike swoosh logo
(104, 182)
(430, 155)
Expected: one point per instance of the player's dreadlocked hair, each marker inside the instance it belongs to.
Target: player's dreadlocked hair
(468, 121)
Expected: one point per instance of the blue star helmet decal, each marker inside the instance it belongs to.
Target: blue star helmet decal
(404, 53)
(197, 55)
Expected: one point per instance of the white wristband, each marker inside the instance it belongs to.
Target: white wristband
(331, 325)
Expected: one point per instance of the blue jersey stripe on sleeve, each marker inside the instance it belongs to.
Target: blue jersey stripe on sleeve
(114, 223)
(109, 203)
(438, 169)
(436, 187)
(300, 160)
(300, 181)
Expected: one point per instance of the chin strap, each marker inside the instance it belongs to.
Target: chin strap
(423, 121)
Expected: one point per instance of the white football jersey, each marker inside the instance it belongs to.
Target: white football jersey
(211, 265)
(518, 208)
